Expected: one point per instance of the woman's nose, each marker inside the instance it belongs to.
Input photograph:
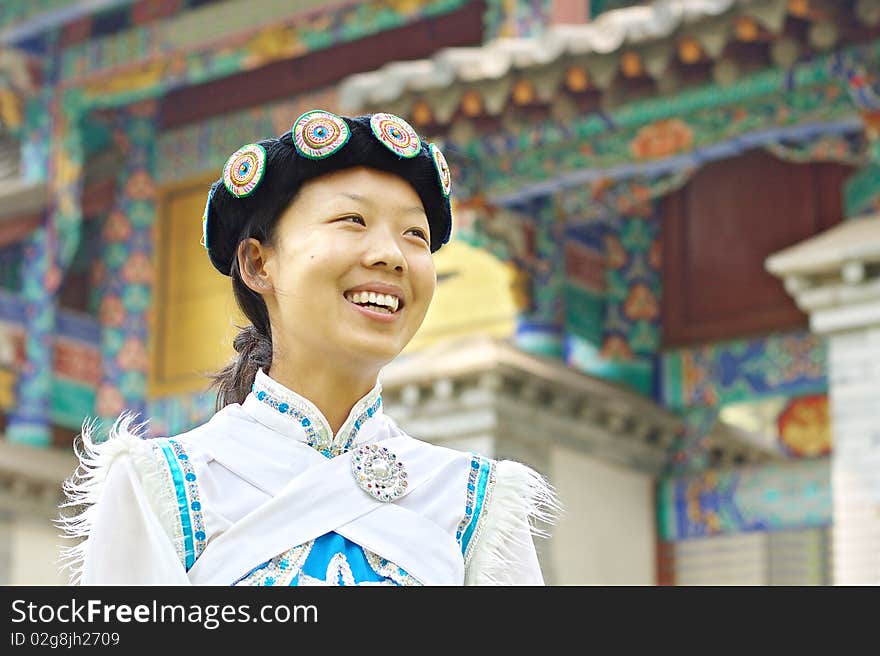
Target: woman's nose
(385, 251)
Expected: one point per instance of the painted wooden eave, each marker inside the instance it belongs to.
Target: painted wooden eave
(607, 36)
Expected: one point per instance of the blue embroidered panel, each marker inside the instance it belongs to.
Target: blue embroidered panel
(328, 560)
(188, 500)
(481, 479)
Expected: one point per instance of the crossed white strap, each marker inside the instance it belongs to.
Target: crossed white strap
(327, 498)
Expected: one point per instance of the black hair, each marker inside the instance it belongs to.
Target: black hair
(229, 220)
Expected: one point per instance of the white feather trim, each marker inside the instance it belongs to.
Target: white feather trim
(519, 503)
(83, 489)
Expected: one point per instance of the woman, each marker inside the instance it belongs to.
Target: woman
(328, 234)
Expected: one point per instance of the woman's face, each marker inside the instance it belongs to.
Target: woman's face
(346, 236)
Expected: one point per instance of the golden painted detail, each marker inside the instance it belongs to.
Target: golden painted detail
(799, 8)
(689, 50)
(421, 113)
(142, 76)
(11, 114)
(747, 29)
(805, 426)
(474, 296)
(662, 139)
(631, 64)
(472, 103)
(577, 79)
(7, 389)
(523, 92)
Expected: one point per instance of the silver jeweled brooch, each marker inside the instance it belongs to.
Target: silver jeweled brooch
(378, 472)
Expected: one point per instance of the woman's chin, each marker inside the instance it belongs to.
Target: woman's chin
(373, 351)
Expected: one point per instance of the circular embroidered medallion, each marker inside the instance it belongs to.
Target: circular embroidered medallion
(318, 134)
(244, 170)
(378, 472)
(396, 134)
(442, 169)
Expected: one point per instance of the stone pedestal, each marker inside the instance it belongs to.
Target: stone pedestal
(835, 278)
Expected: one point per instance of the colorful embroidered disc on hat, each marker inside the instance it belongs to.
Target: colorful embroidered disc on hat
(244, 170)
(442, 169)
(318, 134)
(396, 134)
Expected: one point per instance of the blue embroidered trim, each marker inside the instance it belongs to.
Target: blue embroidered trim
(481, 478)
(188, 501)
(366, 414)
(328, 560)
(280, 570)
(289, 408)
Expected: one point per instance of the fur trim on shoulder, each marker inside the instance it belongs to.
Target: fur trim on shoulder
(522, 506)
(83, 489)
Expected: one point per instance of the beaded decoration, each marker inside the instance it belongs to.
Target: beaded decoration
(378, 472)
(396, 134)
(389, 570)
(314, 437)
(280, 570)
(360, 421)
(442, 169)
(480, 485)
(183, 476)
(317, 434)
(244, 170)
(318, 134)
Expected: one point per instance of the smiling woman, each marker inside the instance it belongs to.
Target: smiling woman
(328, 234)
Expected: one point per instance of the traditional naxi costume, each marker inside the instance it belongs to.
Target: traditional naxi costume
(264, 493)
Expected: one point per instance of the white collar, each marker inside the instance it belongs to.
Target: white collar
(283, 410)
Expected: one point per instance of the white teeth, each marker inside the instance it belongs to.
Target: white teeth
(389, 301)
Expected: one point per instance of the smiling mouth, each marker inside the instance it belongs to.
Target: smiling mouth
(382, 303)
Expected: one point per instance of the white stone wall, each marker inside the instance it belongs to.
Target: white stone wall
(34, 548)
(607, 534)
(759, 558)
(855, 469)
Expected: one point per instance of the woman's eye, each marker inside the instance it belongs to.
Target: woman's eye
(354, 219)
(419, 233)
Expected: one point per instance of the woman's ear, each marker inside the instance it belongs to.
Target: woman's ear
(252, 265)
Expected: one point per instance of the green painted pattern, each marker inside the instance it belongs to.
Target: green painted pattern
(71, 402)
(16, 12)
(159, 67)
(862, 191)
(584, 313)
(708, 115)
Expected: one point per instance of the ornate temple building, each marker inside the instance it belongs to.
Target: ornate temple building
(662, 291)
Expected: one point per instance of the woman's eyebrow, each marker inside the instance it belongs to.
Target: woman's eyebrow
(367, 201)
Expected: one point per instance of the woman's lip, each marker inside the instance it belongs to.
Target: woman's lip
(372, 314)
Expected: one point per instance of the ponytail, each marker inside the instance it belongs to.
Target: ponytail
(253, 345)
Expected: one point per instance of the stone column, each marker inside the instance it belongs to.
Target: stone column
(835, 278)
